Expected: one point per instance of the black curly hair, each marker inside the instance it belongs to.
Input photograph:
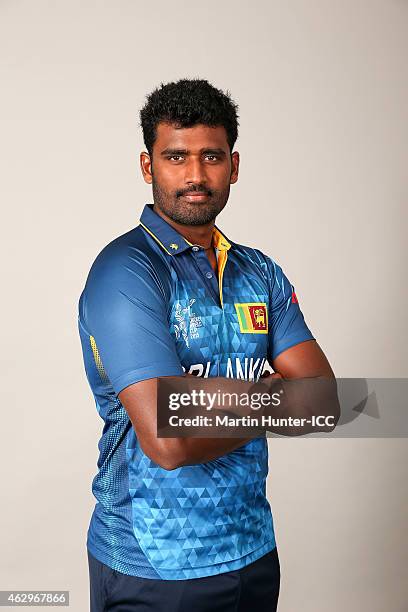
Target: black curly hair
(186, 103)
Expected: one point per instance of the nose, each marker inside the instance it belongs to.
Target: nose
(195, 172)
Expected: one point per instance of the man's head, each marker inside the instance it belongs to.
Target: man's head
(189, 129)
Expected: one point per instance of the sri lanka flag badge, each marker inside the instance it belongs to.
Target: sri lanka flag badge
(252, 317)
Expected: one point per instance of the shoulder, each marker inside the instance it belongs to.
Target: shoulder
(126, 259)
(266, 265)
(126, 266)
(129, 248)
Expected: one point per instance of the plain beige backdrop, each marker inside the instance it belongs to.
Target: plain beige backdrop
(322, 88)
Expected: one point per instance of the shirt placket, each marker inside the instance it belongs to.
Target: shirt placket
(207, 272)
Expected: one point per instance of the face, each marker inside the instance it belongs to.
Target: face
(191, 170)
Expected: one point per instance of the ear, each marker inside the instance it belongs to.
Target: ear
(234, 167)
(146, 167)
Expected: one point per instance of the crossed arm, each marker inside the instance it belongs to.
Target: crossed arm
(304, 360)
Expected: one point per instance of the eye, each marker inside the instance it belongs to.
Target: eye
(211, 157)
(175, 158)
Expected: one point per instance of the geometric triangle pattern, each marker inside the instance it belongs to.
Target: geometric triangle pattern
(209, 515)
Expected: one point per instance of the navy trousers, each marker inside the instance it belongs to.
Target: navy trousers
(254, 588)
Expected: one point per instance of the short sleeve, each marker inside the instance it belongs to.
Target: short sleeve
(287, 326)
(123, 308)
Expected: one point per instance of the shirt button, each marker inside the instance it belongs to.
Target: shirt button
(196, 248)
(209, 274)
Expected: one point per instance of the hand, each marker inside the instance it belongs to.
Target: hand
(269, 375)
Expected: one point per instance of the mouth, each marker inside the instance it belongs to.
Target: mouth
(196, 196)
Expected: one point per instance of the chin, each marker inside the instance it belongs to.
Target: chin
(193, 213)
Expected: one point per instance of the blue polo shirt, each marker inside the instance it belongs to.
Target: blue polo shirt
(153, 306)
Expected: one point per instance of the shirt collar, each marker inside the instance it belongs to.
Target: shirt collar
(169, 239)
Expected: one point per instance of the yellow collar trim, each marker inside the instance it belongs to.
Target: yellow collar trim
(220, 242)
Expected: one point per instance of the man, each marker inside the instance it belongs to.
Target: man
(184, 523)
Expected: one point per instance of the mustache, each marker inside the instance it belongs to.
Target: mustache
(194, 189)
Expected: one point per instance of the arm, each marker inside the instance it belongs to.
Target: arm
(124, 310)
(292, 349)
(304, 360)
(140, 400)
(295, 354)
(307, 361)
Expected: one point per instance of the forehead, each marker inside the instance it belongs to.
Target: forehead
(168, 135)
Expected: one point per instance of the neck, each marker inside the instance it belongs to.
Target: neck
(196, 234)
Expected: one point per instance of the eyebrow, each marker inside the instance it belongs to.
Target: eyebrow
(208, 151)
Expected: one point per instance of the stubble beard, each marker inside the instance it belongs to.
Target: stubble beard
(189, 213)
